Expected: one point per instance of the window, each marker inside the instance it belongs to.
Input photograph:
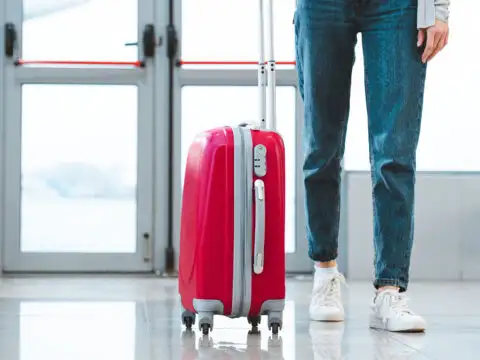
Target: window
(86, 30)
(451, 115)
(228, 30)
(356, 146)
(451, 120)
(79, 168)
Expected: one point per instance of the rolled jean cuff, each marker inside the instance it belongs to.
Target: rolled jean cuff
(323, 257)
(403, 285)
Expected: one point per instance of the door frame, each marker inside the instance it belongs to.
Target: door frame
(298, 261)
(149, 186)
(2, 117)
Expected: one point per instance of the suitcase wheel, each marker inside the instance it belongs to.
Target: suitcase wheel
(275, 322)
(205, 322)
(275, 327)
(188, 322)
(205, 329)
(188, 319)
(254, 321)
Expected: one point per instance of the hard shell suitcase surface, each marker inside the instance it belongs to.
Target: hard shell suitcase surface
(232, 247)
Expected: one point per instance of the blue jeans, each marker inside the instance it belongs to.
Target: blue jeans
(325, 38)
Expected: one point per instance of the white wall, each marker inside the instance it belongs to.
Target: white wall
(447, 226)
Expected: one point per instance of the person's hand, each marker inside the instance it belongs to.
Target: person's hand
(435, 39)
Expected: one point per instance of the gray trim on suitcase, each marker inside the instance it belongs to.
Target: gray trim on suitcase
(248, 213)
(272, 306)
(238, 229)
(213, 306)
(243, 191)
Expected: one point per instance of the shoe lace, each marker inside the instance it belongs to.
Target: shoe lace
(399, 303)
(396, 303)
(328, 289)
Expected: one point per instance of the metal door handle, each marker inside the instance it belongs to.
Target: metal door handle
(147, 247)
(10, 40)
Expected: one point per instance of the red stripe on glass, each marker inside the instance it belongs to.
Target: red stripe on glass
(91, 63)
(188, 62)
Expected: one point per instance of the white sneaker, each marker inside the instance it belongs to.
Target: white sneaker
(390, 312)
(326, 303)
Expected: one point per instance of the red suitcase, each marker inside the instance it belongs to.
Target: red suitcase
(232, 247)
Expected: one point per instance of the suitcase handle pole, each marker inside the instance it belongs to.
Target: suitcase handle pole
(262, 75)
(272, 84)
(266, 68)
(258, 257)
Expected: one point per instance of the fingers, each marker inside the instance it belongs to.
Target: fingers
(437, 39)
(447, 35)
(421, 37)
(442, 43)
(436, 46)
(430, 45)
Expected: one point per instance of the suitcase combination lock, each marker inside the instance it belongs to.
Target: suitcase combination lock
(260, 160)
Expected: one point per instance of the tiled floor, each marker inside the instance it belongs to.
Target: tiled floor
(132, 318)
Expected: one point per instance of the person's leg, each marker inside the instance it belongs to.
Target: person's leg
(395, 80)
(325, 37)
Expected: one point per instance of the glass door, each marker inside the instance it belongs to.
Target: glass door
(78, 121)
(216, 85)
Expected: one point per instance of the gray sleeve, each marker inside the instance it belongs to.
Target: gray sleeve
(426, 13)
(429, 10)
(442, 10)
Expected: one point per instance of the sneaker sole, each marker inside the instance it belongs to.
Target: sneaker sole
(330, 318)
(376, 323)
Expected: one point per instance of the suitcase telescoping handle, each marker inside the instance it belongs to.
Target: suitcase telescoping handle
(266, 67)
(266, 72)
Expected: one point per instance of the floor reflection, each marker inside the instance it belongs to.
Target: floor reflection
(139, 319)
(72, 330)
(326, 339)
(205, 347)
(400, 346)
